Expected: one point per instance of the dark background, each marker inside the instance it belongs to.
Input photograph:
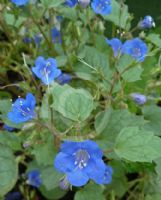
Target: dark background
(140, 8)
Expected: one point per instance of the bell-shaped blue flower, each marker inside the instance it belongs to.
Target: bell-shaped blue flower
(20, 2)
(64, 78)
(71, 3)
(56, 35)
(80, 161)
(139, 99)
(23, 109)
(34, 178)
(102, 7)
(136, 48)
(116, 45)
(147, 22)
(46, 70)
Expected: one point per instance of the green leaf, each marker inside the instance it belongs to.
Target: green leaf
(53, 3)
(75, 104)
(154, 39)
(133, 74)
(153, 197)
(50, 177)
(98, 61)
(89, 193)
(53, 194)
(134, 145)
(45, 153)
(69, 13)
(119, 15)
(110, 122)
(152, 114)
(10, 139)
(8, 170)
(45, 112)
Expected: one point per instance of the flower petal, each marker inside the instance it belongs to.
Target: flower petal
(77, 178)
(64, 163)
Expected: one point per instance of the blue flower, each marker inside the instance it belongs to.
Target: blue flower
(46, 70)
(102, 7)
(20, 2)
(8, 128)
(37, 39)
(27, 40)
(136, 48)
(23, 109)
(64, 78)
(140, 99)
(13, 196)
(116, 45)
(71, 3)
(80, 161)
(147, 22)
(34, 178)
(59, 18)
(56, 35)
(84, 3)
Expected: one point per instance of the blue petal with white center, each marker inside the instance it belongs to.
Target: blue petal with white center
(80, 162)
(102, 7)
(46, 70)
(116, 45)
(20, 2)
(136, 48)
(23, 109)
(34, 178)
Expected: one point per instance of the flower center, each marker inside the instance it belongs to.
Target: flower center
(81, 158)
(137, 52)
(102, 5)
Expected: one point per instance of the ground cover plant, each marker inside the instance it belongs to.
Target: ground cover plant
(80, 98)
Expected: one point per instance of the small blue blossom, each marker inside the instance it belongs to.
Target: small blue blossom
(136, 48)
(20, 2)
(46, 70)
(147, 22)
(102, 7)
(37, 39)
(81, 161)
(64, 78)
(23, 109)
(71, 3)
(56, 35)
(13, 196)
(84, 3)
(59, 18)
(140, 99)
(8, 128)
(116, 45)
(34, 178)
(27, 40)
